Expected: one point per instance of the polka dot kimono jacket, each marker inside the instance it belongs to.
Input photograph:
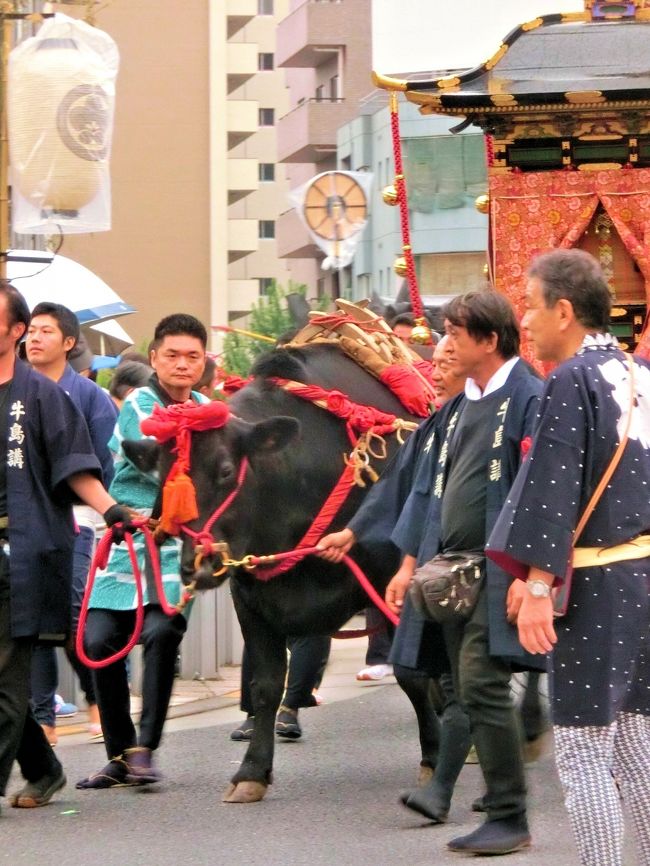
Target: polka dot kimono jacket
(599, 664)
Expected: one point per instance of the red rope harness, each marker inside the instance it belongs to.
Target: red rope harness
(358, 419)
(178, 421)
(100, 561)
(296, 555)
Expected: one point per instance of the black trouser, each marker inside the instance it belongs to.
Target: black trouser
(108, 631)
(21, 737)
(309, 657)
(482, 682)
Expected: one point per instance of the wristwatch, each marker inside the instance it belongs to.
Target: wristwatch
(538, 588)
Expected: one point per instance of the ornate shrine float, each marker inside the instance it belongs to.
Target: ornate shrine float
(565, 108)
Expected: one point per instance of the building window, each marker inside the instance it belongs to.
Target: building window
(266, 117)
(334, 87)
(320, 93)
(265, 7)
(266, 171)
(266, 229)
(444, 172)
(265, 62)
(265, 284)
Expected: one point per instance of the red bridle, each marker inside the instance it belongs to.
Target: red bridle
(203, 540)
(179, 421)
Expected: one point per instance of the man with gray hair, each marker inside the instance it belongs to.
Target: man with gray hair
(600, 670)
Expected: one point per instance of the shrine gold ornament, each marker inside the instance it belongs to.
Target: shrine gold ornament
(390, 195)
(482, 203)
(421, 334)
(399, 266)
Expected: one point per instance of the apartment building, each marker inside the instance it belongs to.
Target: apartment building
(324, 47)
(255, 96)
(196, 188)
(157, 254)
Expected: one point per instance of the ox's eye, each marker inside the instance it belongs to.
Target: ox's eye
(226, 473)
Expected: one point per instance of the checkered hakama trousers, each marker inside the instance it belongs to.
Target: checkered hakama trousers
(597, 766)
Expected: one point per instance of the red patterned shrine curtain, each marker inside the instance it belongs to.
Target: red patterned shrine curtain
(533, 212)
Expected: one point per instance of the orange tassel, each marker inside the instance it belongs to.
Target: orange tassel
(179, 503)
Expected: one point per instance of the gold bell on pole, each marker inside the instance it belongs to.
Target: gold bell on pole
(482, 203)
(399, 266)
(421, 333)
(390, 195)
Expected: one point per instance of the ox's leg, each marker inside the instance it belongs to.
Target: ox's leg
(268, 657)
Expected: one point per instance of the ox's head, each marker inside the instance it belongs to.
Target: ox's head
(223, 465)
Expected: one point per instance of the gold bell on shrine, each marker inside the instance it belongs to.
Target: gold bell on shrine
(421, 333)
(390, 195)
(482, 203)
(399, 266)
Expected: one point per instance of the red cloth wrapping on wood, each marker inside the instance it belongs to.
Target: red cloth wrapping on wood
(408, 388)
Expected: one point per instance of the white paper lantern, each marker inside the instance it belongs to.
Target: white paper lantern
(60, 116)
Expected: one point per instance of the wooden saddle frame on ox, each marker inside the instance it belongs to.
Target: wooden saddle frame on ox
(367, 338)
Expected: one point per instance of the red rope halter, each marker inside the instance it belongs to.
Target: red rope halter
(178, 421)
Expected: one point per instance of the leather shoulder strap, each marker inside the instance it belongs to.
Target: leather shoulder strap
(604, 481)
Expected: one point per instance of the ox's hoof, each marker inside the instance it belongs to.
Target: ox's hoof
(245, 792)
(425, 774)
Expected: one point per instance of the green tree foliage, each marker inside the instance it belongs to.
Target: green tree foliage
(268, 317)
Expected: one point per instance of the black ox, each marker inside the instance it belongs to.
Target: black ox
(296, 453)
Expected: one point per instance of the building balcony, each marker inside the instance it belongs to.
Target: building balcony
(309, 34)
(242, 294)
(239, 13)
(292, 238)
(308, 132)
(241, 120)
(242, 238)
(242, 178)
(241, 63)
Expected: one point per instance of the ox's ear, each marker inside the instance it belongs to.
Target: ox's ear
(143, 453)
(271, 435)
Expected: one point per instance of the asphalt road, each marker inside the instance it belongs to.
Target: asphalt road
(334, 801)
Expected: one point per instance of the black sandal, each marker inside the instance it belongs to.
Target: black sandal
(244, 731)
(114, 775)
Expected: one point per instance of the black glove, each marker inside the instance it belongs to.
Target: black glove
(120, 514)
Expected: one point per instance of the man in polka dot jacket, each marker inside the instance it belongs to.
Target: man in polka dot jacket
(600, 678)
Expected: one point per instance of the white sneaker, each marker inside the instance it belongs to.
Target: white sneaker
(375, 672)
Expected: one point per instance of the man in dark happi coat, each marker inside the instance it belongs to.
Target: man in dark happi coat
(463, 462)
(47, 463)
(600, 678)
